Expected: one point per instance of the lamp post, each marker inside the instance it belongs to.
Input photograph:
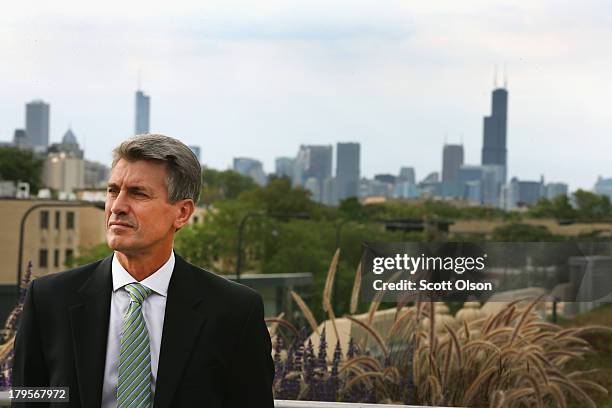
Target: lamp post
(24, 218)
(258, 214)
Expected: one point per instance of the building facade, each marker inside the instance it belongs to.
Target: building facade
(37, 124)
(53, 234)
(348, 169)
(494, 150)
(143, 105)
(251, 168)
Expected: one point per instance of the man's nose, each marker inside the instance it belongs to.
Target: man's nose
(120, 205)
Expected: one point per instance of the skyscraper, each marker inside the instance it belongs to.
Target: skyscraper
(494, 141)
(284, 166)
(452, 160)
(197, 151)
(313, 165)
(347, 170)
(252, 168)
(142, 113)
(37, 124)
(407, 175)
(20, 138)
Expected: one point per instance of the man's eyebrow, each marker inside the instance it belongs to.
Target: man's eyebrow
(136, 187)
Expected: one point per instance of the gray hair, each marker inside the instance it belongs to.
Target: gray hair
(183, 169)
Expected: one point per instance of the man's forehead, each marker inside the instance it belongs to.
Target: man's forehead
(132, 173)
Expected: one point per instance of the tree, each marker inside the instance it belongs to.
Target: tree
(518, 232)
(351, 208)
(89, 255)
(223, 185)
(592, 207)
(562, 208)
(278, 197)
(21, 165)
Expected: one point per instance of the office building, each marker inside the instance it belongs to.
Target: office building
(313, 162)
(52, 236)
(554, 190)
(407, 175)
(469, 181)
(20, 139)
(142, 113)
(494, 150)
(37, 124)
(196, 151)
(348, 169)
(603, 186)
(284, 167)
(63, 172)
(251, 168)
(96, 174)
(452, 159)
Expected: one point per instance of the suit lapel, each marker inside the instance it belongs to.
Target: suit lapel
(182, 323)
(89, 319)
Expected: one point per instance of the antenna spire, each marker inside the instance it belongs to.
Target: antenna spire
(495, 77)
(505, 76)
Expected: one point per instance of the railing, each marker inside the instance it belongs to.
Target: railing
(316, 404)
(6, 402)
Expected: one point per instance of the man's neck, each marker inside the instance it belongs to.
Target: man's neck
(142, 266)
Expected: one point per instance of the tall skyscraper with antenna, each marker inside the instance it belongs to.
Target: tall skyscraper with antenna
(494, 151)
(142, 111)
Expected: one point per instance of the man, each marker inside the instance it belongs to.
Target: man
(143, 327)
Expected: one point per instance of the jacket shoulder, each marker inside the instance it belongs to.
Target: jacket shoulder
(224, 289)
(68, 280)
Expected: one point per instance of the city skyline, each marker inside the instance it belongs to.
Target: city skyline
(258, 82)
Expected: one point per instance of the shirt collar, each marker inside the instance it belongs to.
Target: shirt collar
(158, 281)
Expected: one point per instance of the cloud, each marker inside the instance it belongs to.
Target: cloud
(245, 78)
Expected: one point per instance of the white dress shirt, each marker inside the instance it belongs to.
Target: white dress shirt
(153, 310)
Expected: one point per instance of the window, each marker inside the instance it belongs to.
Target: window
(44, 220)
(42, 258)
(69, 255)
(57, 220)
(70, 220)
(56, 258)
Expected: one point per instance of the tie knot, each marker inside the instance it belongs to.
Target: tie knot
(138, 293)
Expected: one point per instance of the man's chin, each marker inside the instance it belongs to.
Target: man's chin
(118, 244)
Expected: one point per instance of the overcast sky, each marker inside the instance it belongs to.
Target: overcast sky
(257, 79)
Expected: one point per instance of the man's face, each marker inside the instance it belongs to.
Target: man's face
(139, 218)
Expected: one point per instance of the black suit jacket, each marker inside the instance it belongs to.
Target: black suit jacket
(215, 348)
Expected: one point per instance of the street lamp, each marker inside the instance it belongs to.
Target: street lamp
(99, 205)
(303, 216)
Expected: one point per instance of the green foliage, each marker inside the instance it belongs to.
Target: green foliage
(559, 208)
(89, 255)
(24, 165)
(351, 209)
(278, 197)
(592, 207)
(518, 232)
(220, 185)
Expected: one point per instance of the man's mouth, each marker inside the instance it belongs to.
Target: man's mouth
(120, 224)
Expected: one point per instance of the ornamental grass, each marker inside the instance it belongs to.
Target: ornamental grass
(512, 358)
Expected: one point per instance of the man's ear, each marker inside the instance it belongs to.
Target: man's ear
(185, 208)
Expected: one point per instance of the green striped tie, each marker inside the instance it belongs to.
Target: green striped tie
(134, 371)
